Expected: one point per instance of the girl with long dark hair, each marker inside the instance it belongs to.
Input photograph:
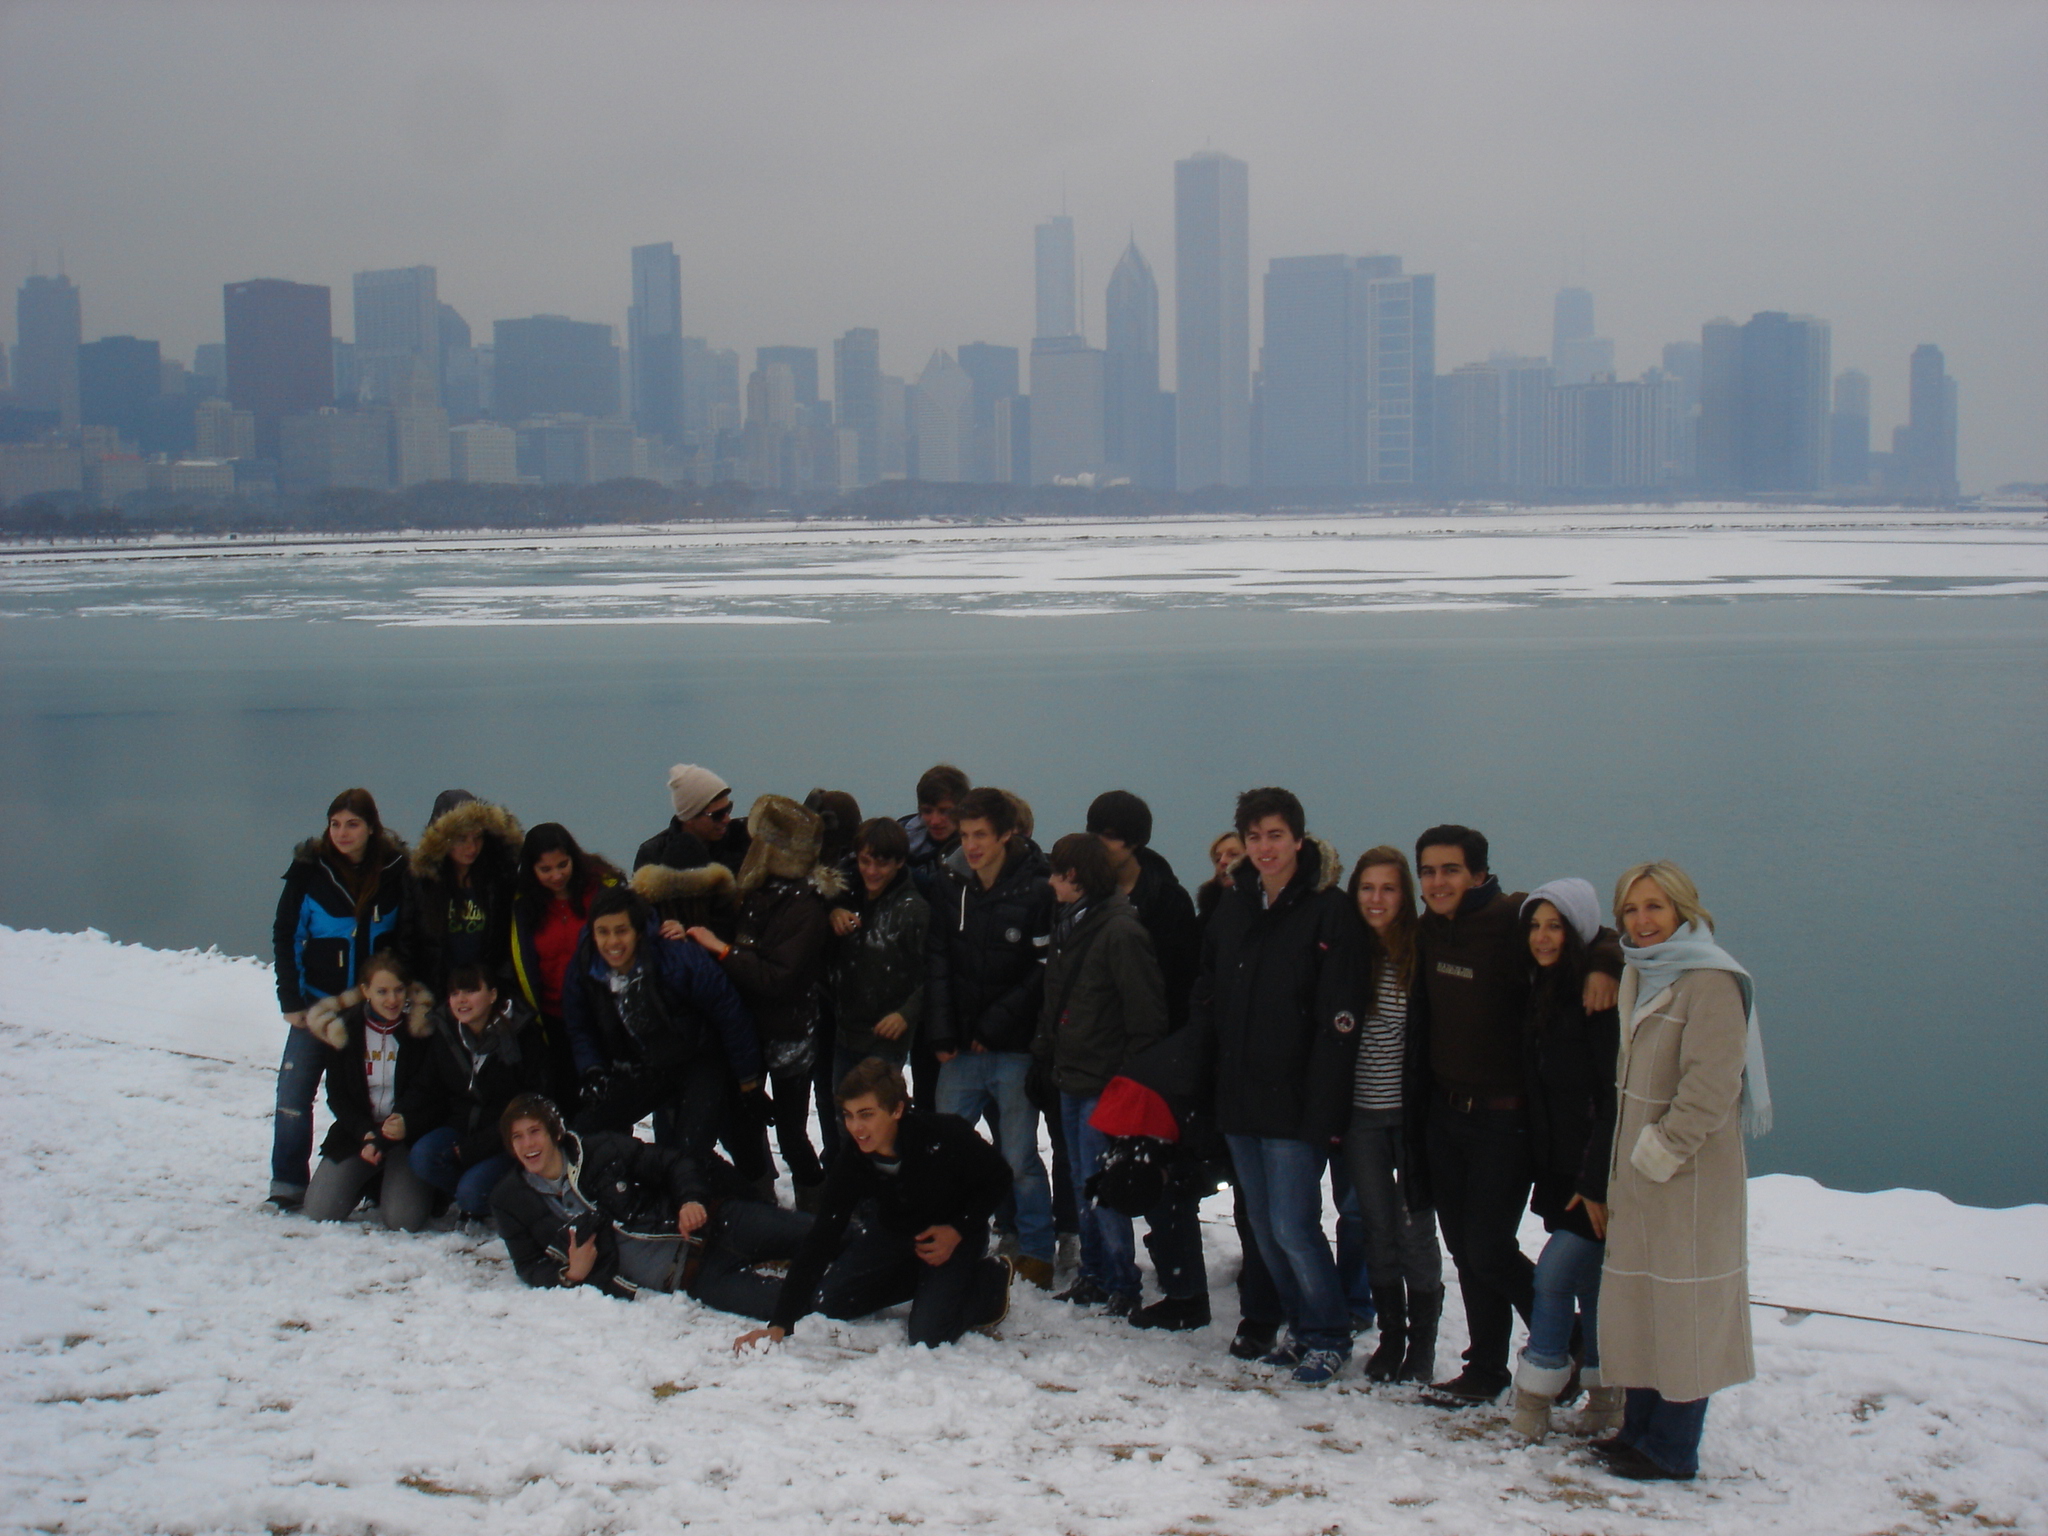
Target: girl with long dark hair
(551, 899)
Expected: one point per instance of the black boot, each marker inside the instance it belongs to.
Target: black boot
(1425, 1311)
(1384, 1363)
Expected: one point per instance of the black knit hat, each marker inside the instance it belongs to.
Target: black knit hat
(1123, 816)
(447, 801)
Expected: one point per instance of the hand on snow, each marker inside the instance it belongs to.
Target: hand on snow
(754, 1336)
(935, 1245)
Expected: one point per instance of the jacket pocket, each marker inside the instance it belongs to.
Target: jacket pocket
(323, 963)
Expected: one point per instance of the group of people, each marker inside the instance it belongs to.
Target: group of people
(496, 1010)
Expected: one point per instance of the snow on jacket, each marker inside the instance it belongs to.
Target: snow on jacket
(1105, 1001)
(879, 969)
(481, 1073)
(947, 1176)
(634, 1191)
(696, 1010)
(337, 1023)
(1276, 997)
(780, 949)
(1168, 913)
(317, 941)
(1674, 1290)
(987, 952)
(1569, 1061)
(453, 924)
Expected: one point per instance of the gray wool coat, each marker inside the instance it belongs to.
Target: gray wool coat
(1674, 1289)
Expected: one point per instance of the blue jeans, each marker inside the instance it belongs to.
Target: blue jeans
(977, 1080)
(1282, 1181)
(436, 1161)
(1666, 1432)
(1567, 1282)
(1352, 1272)
(305, 1061)
(1109, 1251)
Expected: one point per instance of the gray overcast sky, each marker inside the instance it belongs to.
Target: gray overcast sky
(821, 166)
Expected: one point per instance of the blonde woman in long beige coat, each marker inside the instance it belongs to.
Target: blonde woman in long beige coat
(1674, 1290)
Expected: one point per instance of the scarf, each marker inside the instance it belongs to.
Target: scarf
(1659, 965)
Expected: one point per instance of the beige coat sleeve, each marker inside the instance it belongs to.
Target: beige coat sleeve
(1709, 1088)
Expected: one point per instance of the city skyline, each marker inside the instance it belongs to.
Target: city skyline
(1874, 108)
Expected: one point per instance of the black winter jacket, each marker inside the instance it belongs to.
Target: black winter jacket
(1168, 913)
(338, 1022)
(1104, 999)
(317, 942)
(987, 952)
(779, 955)
(697, 1010)
(1277, 995)
(636, 1189)
(948, 1177)
(1569, 1058)
(879, 969)
(480, 1074)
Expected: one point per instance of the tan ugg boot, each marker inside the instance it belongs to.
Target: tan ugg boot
(1536, 1388)
(1604, 1404)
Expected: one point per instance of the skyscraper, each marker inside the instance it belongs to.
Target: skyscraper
(1849, 430)
(993, 372)
(1468, 422)
(47, 332)
(942, 419)
(550, 365)
(654, 341)
(280, 341)
(857, 394)
(1764, 404)
(1524, 388)
(120, 380)
(1066, 409)
(802, 363)
(398, 335)
(1577, 356)
(1135, 434)
(1309, 366)
(1212, 320)
(1929, 444)
(1057, 311)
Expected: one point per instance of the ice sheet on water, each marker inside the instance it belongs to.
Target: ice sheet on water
(176, 1359)
(758, 573)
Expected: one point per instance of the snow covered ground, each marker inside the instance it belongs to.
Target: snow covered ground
(811, 571)
(178, 1359)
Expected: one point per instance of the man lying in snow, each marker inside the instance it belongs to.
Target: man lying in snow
(935, 1183)
(609, 1211)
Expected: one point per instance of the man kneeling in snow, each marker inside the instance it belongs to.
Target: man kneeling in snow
(935, 1183)
(606, 1210)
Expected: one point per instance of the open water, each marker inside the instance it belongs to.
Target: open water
(1857, 783)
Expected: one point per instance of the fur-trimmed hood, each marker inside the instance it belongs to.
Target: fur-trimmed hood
(323, 1019)
(495, 822)
(711, 882)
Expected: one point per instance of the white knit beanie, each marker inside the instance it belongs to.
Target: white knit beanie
(1575, 900)
(692, 789)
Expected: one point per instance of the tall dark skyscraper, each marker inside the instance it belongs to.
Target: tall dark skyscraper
(549, 365)
(1764, 404)
(398, 336)
(857, 395)
(1928, 445)
(1058, 314)
(1849, 430)
(280, 341)
(1136, 435)
(47, 332)
(993, 371)
(654, 341)
(120, 379)
(1212, 320)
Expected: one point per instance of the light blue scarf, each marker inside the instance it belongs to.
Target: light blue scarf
(1657, 966)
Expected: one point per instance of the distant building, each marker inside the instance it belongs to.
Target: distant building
(549, 365)
(1577, 356)
(1067, 377)
(210, 362)
(857, 395)
(47, 332)
(1684, 362)
(1212, 321)
(1525, 384)
(1605, 435)
(120, 380)
(111, 476)
(332, 449)
(942, 419)
(654, 341)
(1137, 430)
(419, 445)
(1849, 430)
(893, 447)
(770, 438)
(1926, 450)
(993, 372)
(1468, 428)
(192, 477)
(39, 469)
(280, 352)
(1053, 249)
(222, 432)
(398, 336)
(802, 363)
(483, 453)
(1764, 404)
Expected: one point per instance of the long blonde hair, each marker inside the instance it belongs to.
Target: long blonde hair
(1673, 882)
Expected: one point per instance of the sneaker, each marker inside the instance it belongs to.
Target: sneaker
(1318, 1368)
(1252, 1341)
(1119, 1306)
(1083, 1293)
(1176, 1314)
(1467, 1389)
(1283, 1357)
(286, 1197)
(1037, 1271)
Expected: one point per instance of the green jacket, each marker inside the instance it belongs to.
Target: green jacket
(1105, 1000)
